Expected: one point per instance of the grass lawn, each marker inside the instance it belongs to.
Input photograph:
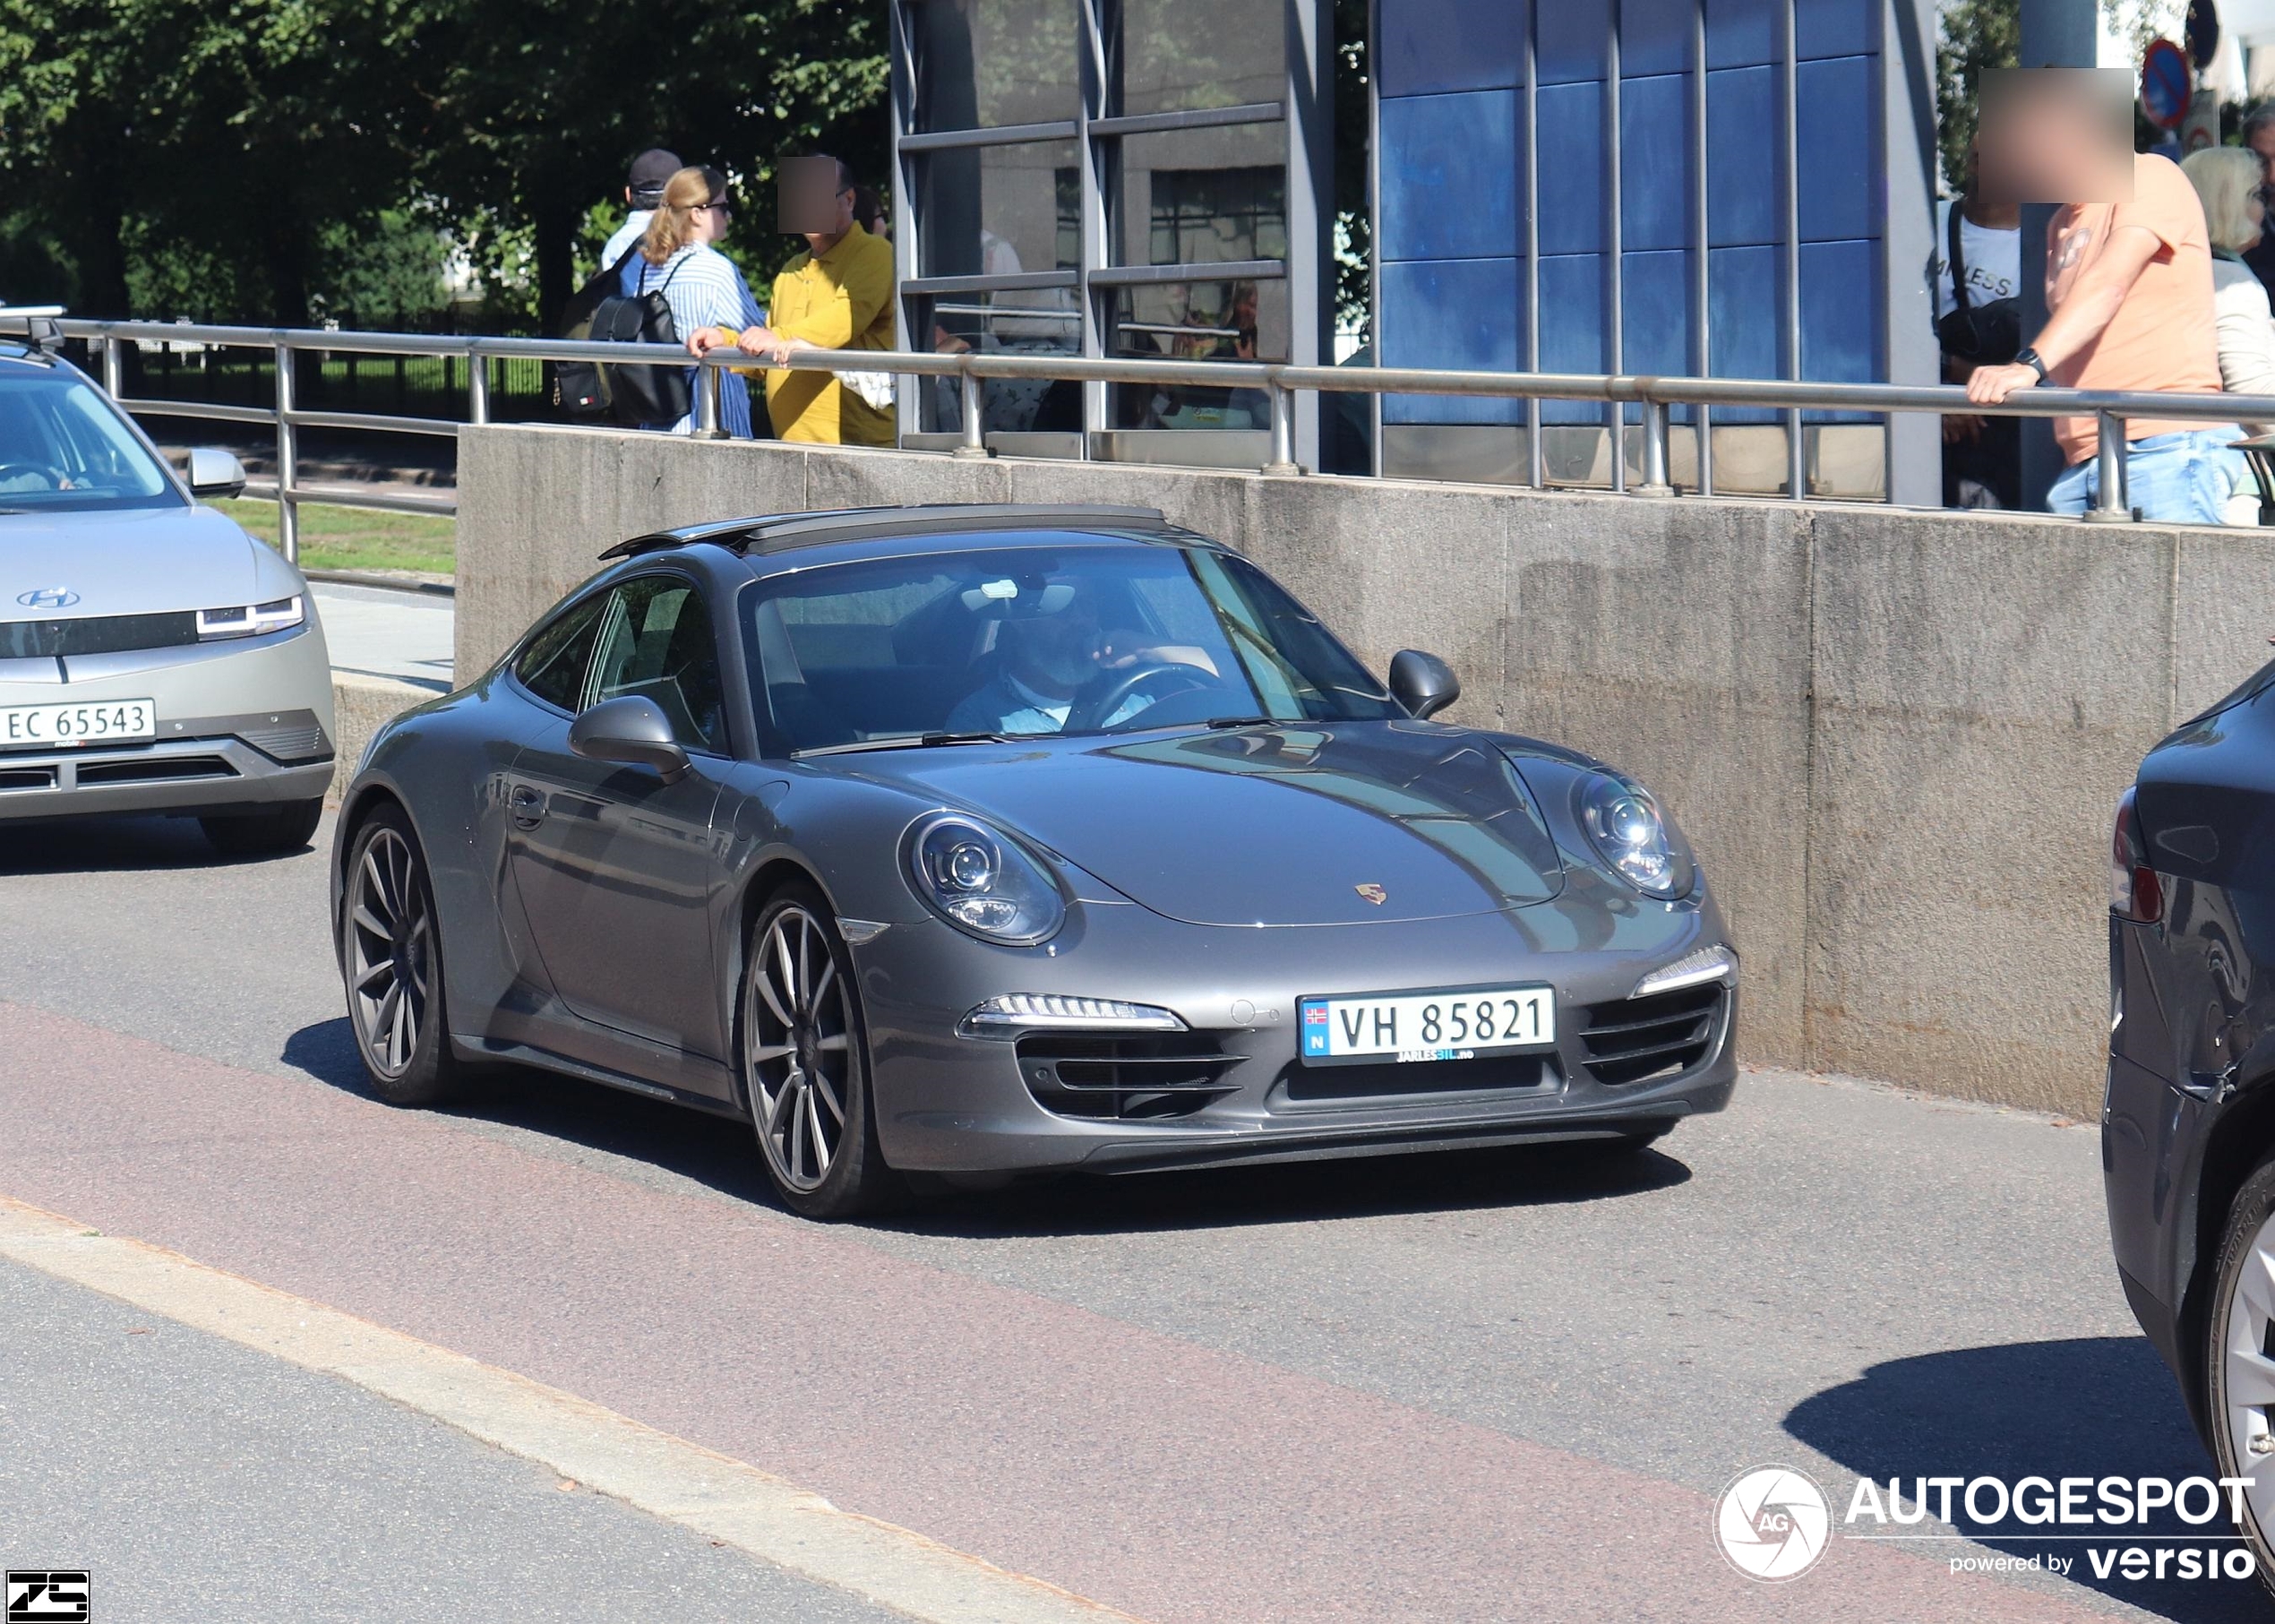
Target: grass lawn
(355, 538)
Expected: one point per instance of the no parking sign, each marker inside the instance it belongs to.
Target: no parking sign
(2165, 84)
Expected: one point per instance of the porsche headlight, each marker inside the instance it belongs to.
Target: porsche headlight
(1624, 825)
(982, 882)
(250, 620)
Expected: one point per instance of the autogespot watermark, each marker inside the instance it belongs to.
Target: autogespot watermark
(1773, 1523)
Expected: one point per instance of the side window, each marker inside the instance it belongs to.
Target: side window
(552, 667)
(656, 641)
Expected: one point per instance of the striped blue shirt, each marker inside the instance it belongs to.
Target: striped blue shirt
(704, 289)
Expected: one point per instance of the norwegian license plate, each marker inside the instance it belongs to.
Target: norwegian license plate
(1426, 1025)
(111, 721)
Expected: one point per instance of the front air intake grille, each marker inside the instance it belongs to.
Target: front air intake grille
(1124, 1074)
(153, 770)
(1637, 1038)
(97, 634)
(293, 739)
(26, 778)
(1392, 1079)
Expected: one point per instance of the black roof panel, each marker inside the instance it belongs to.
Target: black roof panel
(778, 532)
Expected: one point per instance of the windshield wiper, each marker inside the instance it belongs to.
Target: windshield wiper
(908, 741)
(1219, 722)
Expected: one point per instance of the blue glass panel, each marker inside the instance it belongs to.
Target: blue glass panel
(1835, 115)
(1654, 161)
(1743, 33)
(1745, 197)
(1654, 35)
(1833, 28)
(1427, 45)
(1449, 175)
(1575, 331)
(1743, 315)
(1453, 313)
(1842, 310)
(1574, 41)
(1655, 302)
(1569, 123)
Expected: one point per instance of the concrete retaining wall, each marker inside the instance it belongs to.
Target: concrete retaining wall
(1895, 737)
(361, 706)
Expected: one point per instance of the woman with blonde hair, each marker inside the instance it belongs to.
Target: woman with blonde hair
(701, 284)
(2226, 180)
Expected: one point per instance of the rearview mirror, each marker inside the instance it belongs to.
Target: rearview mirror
(633, 730)
(1423, 682)
(214, 472)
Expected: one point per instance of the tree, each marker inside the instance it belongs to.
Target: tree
(1976, 34)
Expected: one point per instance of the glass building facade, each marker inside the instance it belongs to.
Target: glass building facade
(1111, 177)
(1734, 188)
(1728, 188)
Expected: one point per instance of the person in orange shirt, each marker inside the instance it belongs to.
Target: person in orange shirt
(838, 295)
(2129, 301)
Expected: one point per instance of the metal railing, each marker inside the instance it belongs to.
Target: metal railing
(1280, 384)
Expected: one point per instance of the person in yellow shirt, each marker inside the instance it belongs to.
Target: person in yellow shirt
(838, 295)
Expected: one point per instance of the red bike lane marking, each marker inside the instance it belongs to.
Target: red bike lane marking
(1156, 1475)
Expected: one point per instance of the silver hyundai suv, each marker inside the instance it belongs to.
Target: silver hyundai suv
(153, 656)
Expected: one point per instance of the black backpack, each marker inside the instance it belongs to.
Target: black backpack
(642, 393)
(1989, 335)
(577, 387)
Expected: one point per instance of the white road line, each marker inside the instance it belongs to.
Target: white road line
(736, 1504)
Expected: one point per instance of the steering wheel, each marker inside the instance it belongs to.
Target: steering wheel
(1092, 713)
(10, 470)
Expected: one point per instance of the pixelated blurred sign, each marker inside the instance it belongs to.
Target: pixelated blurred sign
(2202, 32)
(2202, 128)
(2165, 84)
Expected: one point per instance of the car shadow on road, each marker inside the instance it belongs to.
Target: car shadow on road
(721, 1156)
(2091, 1407)
(120, 846)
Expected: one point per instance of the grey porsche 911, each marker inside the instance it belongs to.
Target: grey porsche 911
(948, 844)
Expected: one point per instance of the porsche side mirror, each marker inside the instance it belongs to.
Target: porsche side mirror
(632, 730)
(1423, 682)
(214, 472)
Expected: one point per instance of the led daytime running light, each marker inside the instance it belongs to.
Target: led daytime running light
(1027, 1011)
(1715, 963)
(252, 620)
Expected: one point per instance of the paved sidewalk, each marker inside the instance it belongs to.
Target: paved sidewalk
(374, 631)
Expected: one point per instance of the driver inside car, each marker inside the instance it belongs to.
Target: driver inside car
(1048, 654)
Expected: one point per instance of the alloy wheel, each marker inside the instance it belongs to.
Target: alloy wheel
(798, 1026)
(390, 935)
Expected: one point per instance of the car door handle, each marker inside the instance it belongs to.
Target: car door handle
(528, 807)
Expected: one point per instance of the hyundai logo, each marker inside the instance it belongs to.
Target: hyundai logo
(48, 598)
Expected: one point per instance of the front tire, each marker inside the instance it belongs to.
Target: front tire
(391, 961)
(273, 829)
(2239, 1360)
(805, 1062)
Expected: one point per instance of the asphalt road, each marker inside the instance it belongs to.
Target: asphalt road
(1469, 1386)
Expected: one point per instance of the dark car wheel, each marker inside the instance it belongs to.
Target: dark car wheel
(391, 959)
(277, 828)
(2239, 1365)
(805, 1062)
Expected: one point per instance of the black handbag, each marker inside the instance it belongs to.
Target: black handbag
(577, 387)
(641, 394)
(1988, 334)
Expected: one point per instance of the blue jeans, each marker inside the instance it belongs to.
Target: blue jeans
(2184, 478)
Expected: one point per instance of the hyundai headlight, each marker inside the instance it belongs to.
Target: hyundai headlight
(1624, 825)
(250, 620)
(980, 881)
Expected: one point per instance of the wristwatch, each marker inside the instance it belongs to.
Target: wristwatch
(2028, 357)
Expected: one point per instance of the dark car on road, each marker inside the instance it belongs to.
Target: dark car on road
(2188, 1122)
(963, 842)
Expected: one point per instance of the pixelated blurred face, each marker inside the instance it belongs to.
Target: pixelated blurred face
(1056, 653)
(807, 195)
(2056, 135)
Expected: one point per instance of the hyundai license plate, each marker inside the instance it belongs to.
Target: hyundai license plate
(111, 721)
(1427, 1026)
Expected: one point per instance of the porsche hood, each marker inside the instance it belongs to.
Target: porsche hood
(1293, 824)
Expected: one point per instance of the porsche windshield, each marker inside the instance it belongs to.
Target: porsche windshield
(63, 449)
(1031, 640)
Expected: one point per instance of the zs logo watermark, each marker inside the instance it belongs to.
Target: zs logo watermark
(46, 1596)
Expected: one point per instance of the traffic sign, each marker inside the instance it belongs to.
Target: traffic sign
(2165, 84)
